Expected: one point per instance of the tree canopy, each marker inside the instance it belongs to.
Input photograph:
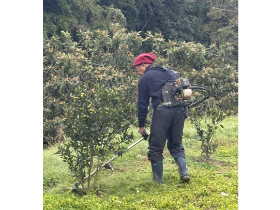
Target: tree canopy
(204, 21)
(75, 15)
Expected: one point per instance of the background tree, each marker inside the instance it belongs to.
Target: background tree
(222, 26)
(176, 19)
(75, 15)
(201, 21)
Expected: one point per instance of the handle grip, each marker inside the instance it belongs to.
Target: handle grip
(145, 135)
(186, 109)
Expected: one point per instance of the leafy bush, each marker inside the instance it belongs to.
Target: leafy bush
(94, 99)
(97, 122)
(208, 144)
(68, 64)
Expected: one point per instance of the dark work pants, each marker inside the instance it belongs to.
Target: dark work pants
(167, 123)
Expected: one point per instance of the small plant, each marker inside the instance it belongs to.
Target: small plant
(205, 135)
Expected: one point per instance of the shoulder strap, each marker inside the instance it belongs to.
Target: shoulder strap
(172, 72)
(167, 69)
(168, 78)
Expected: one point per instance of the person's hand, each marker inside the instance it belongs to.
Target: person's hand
(141, 130)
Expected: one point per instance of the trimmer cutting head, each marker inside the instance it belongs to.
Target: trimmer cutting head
(75, 187)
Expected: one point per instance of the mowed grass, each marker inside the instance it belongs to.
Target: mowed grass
(213, 185)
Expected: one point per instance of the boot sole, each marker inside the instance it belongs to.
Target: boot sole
(185, 178)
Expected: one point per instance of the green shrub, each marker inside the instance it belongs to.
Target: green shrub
(205, 135)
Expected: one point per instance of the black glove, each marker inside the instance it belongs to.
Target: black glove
(145, 135)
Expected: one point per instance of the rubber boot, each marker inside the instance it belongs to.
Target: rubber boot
(157, 168)
(182, 168)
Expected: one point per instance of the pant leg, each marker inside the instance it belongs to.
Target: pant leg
(174, 144)
(161, 122)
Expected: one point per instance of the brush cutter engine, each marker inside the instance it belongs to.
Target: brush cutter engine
(178, 93)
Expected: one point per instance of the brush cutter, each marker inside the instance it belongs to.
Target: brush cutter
(107, 164)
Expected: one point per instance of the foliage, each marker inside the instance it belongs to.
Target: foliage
(208, 144)
(68, 64)
(202, 21)
(97, 122)
(223, 25)
(176, 20)
(94, 98)
(75, 15)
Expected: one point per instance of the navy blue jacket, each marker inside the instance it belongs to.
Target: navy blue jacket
(150, 85)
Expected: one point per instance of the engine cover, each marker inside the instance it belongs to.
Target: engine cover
(168, 95)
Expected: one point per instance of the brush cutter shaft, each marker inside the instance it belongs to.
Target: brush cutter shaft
(145, 136)
(132, 145)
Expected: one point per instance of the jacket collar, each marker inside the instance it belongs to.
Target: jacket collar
(149, 68)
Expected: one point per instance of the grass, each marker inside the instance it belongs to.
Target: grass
(213, 185)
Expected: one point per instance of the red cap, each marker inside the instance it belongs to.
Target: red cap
(144, 58)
